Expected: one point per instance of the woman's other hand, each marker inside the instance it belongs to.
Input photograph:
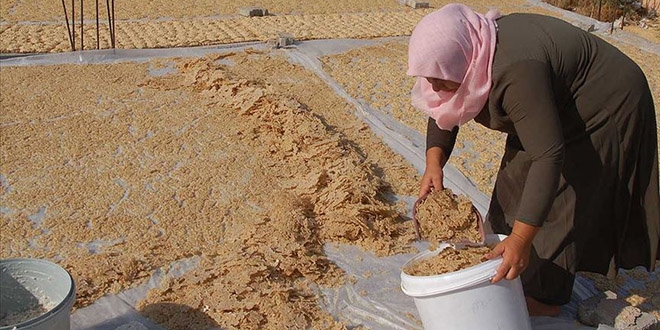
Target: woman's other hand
(515, 250)
(433, 176)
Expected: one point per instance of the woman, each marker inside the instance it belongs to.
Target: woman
(577, 189)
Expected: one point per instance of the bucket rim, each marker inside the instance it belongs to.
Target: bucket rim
(418, 286)
(67, 302)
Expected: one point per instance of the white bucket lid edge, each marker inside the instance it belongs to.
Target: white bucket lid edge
(422, 286)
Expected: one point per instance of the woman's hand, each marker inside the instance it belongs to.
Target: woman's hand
(433, 176)
(515, 251)
(432, 180)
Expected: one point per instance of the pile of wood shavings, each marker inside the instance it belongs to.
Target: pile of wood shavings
(443, 216)
(202, 163)
(447, 261)
(318, 190)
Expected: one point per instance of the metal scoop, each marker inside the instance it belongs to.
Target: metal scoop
(456, 244)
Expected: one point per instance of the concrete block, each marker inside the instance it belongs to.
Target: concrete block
(284, 39)
(414, 3)
(252, 11)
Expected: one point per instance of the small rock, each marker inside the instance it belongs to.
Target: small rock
(414, 3)
(284, 39)
(252, 11)
(652, 14)
(618, 23)
(590, 310)
(589, 27)
(632, 318)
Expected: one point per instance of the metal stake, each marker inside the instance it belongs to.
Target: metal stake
(68, 28)
(98, 42)
(73, 22)
(82, 27)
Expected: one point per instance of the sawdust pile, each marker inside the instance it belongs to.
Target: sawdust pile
(324, 193)
(443, 216)
(447, 261)
(127, 177)
(326, 174)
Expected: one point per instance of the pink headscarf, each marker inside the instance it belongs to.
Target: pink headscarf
(453, 43)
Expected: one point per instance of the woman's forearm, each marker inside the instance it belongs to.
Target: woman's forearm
(524, 231)
(435, 156)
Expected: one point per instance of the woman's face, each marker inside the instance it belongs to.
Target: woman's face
(443, 85)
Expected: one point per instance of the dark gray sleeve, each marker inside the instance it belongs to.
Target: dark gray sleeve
(436, 137)
(529, 101)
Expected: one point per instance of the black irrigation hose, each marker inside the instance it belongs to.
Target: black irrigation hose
(68, 28)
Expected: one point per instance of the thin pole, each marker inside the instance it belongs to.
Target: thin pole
(98, 42)
(73, 22)
(112, 38)
(600, 5)
(82, 27)
(68, 28)
(114, 27)
(623, 18)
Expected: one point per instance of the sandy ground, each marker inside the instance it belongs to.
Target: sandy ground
(248, 161)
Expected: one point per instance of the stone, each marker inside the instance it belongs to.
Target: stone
(414, 3)
(284, 39)
(606, 309)
(632, 318)
(589, 27)
(601, 308)
(252, 11)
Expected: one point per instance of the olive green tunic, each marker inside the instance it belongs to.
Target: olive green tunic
(581, 156)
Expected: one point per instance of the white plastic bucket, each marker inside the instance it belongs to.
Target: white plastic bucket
(27, 284)
(465, 299)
